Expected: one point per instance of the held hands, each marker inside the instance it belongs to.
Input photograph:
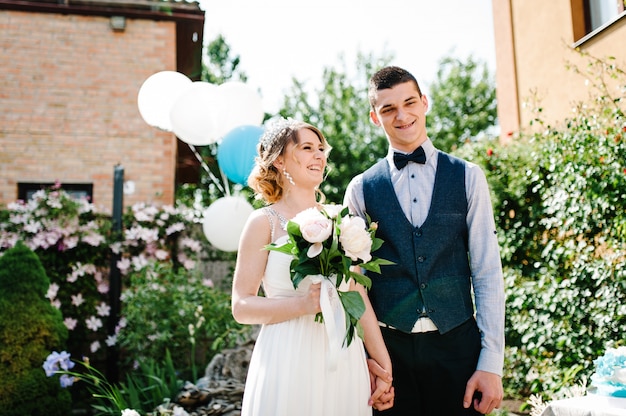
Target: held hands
(484, 391)
(380, 384)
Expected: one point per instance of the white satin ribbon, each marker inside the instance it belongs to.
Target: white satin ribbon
(334, 318)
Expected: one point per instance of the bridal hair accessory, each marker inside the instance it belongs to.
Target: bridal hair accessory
(288, 176)
(274, 129)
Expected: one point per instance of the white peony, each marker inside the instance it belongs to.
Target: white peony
(355, 238)
(333, 210)
(314, 226)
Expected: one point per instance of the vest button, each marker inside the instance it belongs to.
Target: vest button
(421, 259)
(423, 286)
(418, 233)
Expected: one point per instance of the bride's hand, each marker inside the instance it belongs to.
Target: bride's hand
(312, 299)
(381, 388)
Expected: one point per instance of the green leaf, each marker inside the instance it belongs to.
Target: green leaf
(284, 248)
(361, 279)
(293, 229)
(352, 303)
(376, 243)
(374, 265)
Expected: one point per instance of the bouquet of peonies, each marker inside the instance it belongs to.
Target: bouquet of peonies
(325, 244)
(609, 378)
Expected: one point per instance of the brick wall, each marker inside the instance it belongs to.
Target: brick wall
(68, 104)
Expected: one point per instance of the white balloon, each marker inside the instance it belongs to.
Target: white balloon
(239, 105)
(157, 95)
(224, 220)
(194, 115)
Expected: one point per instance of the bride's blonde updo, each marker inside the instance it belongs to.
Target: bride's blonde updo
(265, 179)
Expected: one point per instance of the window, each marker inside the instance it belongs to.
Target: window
(25, 190)
(599, 12)
(589, 16)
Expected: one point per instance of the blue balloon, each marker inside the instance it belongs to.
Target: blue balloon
(236, 152)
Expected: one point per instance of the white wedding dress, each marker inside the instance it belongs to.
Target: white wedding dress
(289, 373)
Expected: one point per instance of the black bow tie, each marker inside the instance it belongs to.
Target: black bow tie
(401, 159)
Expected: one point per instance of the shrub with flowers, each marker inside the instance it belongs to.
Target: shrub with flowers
(70, 239)
(76, 244)
(328, 243)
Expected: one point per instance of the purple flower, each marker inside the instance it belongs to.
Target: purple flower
(66, 380)
(56, 362)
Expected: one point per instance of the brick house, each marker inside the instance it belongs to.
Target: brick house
(534, 41)
(71, 72)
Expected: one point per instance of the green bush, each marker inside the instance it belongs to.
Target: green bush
(560, 204)
(176, 310)
(29, 329)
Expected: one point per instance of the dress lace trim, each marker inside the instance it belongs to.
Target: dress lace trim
(271, 213)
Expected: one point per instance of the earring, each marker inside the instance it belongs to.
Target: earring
(288, 176)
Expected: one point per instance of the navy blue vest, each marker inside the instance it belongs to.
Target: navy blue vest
(431, 274)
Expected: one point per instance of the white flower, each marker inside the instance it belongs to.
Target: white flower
(70, 323)
(123, 265)
(95, 346)
(355, 239)
(78, 300)
(130, 412)
(314, 225)
(103, 287)
(179, 411)
(53, 289)
(111, 340)
(93, 323)
(333, 210)
(103, 309)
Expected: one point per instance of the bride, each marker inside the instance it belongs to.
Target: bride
(289, 371)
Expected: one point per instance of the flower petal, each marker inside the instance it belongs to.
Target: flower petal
(314, 250)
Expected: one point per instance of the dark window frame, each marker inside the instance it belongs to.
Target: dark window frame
(25, 190)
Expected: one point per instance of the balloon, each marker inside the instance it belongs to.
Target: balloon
(236, 152)
(194, 114)
(157, 95)
(224, 220)
(239, 105)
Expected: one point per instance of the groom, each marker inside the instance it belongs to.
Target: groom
(434, 213)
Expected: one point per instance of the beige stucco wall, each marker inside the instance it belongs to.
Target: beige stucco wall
(533, 58)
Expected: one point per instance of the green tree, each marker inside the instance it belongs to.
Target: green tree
(462, 102)
(220, 65)
(340, 108)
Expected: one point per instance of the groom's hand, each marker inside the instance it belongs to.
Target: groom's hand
(380, 386)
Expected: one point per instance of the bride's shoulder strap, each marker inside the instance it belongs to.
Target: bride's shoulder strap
(270, 214)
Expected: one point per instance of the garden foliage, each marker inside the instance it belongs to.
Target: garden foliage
(76, 246)
(29, 328)
(180, 311)
(560, 203)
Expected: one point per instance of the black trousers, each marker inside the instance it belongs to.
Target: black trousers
(430, 370)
